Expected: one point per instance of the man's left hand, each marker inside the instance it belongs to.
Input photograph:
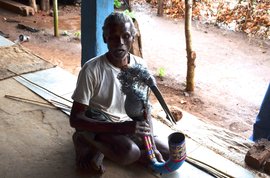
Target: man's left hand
(159, 156)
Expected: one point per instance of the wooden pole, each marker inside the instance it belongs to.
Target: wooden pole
(160, 8)
(55, 17)
(45, 5)
(33, 4)
(191, 55)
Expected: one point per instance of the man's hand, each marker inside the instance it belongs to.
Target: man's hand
(142, 128)
(159, 156)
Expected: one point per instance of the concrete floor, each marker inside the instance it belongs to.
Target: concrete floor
(35, 140)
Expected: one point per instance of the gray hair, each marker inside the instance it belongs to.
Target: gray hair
(118, 18)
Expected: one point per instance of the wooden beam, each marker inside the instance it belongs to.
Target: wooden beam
(17, 7)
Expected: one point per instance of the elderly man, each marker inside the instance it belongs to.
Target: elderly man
(98, 115)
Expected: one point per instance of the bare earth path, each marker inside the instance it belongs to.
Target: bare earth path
(232, 71)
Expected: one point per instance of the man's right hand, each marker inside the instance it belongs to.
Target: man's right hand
(142, 128)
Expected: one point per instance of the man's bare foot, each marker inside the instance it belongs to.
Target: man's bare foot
(97, 162)
(86, 155)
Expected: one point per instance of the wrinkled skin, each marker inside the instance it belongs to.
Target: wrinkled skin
(119, 41)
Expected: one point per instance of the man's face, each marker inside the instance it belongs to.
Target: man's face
(119, 41)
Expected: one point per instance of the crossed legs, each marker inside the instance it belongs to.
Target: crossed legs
(91, 148)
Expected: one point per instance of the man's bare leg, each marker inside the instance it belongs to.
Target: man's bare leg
(86, 155)
(118, 148)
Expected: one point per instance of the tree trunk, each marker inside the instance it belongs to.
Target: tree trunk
(160, 8)
(129, 5)
(136, 47)
(191, 55)
(45, 5)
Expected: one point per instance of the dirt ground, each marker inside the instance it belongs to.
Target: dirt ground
(232, 70)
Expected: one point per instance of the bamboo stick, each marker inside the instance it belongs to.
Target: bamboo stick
(55, 17)
(49, 105)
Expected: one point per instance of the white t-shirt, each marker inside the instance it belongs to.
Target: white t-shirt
(98, 87)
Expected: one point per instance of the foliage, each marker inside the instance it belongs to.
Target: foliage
(251, 17)
(64, 33)
(77, 34)
(130, 14)
(161, 72)
(117, 3)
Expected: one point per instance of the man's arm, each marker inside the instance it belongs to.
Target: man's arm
(79, 120)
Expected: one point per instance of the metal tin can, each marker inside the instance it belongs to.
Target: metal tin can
(24, 38)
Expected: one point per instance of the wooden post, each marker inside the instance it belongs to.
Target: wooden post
(33, 4)
(160, 8)
(45, 5)
(55, 17)
(191, 55)
(136, 47)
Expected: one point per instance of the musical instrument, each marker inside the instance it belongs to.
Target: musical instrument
(135, 83)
